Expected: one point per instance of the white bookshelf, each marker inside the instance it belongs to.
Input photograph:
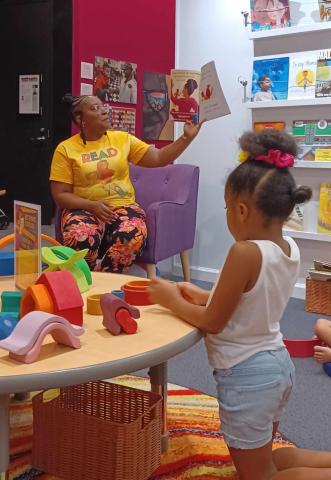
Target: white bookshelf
(295, 30)
(311, 164)
(300, 102)
(321, 237)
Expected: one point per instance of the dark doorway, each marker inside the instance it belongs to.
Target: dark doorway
(35, 39)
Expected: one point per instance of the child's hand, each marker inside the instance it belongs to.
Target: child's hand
(163, 292)
(192, 293)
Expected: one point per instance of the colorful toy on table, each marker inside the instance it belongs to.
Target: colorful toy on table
(10, 312)
(301, 347)
(93, 306)
(118, 315)
(7, 324)
(6, 263)
(136, 292)
(66, 258)
(25, 342)
(56, 293)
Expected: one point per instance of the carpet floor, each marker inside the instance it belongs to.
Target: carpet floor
(196, 448)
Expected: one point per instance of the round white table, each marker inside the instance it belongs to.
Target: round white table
(160, 336)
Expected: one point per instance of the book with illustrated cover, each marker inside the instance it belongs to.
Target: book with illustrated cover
(269, 14)
(325, 10)
(197, 95)
(123, 119)
(324, 210)
(270, 79)
(323, 74)
(302, 75)
(259, 126)
(295, 220)
(313, 138)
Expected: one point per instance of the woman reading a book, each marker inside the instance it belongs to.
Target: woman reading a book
(186, 103)
(90, 182)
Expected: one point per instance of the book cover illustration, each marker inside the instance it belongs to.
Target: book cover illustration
(323, 75)
(185, 95)
(123, 119)
(313, 138)
(269, 14)
(295, 220)
(302, 76)
(259, 126)
(270, 79)
(197, 95)
(324, 210)
(212, 100)
(325, 10)
(156, 107)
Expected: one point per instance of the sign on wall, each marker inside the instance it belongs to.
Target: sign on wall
(29, 94)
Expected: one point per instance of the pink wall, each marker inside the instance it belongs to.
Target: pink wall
(139, 31)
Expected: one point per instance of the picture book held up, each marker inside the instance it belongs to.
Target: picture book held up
(197, 95)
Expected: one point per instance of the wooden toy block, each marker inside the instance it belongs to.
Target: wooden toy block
(36, 297)
(136, 292)
(93, 306)
(65, 294)
(63, 251)
(301, 347)
(110, 305)
(127, 323)
(6, 263)
(7, 324)
(10, 301)
(25, 341)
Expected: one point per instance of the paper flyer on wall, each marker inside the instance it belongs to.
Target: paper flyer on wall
(27, 228)
(197, 95)
(302, 75)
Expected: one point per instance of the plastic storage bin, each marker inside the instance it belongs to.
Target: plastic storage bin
(318, 296)
(97, 431)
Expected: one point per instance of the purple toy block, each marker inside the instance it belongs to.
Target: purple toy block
(110, 304)
(25, 341)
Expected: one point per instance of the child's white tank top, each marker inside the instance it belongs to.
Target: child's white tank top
(254, 325)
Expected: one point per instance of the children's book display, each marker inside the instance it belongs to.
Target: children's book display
(259, 126)
(321, 271)
(324, 211)
(295, 220)
(270, 14)
(323, 75)
(313, 138)
(325, 10)
(294, 76)
(197, 95)
(270, 79)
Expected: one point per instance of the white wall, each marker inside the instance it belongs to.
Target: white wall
(213, 30)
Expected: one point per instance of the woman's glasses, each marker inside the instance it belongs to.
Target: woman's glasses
(98, 107)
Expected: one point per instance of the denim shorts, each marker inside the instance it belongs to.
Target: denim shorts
(252, 396)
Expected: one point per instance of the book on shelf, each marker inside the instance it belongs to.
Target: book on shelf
(197, 95)
(269, 14)
(259, 126)
(325, 10)
(323, 74)
(295, 220)
(313, 138)
(302, 75)
(270, 79)
(324, 210)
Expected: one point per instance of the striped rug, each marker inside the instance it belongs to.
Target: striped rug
(196, 449)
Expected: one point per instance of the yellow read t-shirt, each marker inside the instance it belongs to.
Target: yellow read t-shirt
(99, 170)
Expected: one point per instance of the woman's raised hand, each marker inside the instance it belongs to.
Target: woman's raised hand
(191, 129)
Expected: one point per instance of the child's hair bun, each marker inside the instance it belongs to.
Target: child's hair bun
(302, 194)
(259, 143)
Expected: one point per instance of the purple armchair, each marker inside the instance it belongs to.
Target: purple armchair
(169, 197)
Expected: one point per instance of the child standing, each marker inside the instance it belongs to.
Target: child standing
(252, 369)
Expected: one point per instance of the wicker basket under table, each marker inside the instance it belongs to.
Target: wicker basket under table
(97, 431)
(318, 296)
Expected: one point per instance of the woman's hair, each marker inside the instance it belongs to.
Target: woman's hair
(273, 189)
(191, 85)
(75, 104)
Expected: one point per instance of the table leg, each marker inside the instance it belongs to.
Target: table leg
(4, 436)
(159, 381)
